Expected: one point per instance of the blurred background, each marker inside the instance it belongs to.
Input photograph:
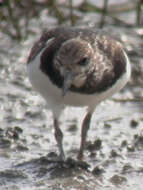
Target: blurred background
(16, 15)
(115, 145)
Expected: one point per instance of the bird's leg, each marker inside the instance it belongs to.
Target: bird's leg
(84, 130)
(59, 139)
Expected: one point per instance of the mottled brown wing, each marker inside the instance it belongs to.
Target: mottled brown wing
(38, 46)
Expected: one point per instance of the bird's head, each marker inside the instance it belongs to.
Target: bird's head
(74, 60)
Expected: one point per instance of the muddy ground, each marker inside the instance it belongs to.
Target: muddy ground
(114, 152)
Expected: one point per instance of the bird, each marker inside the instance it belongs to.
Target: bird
(79, 67)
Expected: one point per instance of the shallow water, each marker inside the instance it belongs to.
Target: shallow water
(115, 141)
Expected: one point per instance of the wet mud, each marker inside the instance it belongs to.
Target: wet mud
(28, 152)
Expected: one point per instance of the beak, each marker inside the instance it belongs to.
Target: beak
(68, 79)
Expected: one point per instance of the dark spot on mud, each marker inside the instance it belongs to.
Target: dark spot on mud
(124, 143)
(107, 125)
(131, 148)
(117, 180)
(127, 168)
(72, 125)
(72, 128)
(138, 142)
(98, 170)
(94, 146)
(13, 136)
(33, 114)
(52, 155)
(5, 143)
(18, 129)
(92, 155)
(13, 133)
(134, 123)
(11, 175)
(1, 132)
(21, 147)
(114, 154)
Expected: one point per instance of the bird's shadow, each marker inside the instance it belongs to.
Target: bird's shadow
(50, 166)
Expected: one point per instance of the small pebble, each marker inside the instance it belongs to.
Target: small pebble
(5, 143)
(127, 168)
(98, 170)
(117, 179)
(130, 148)
(114, 153)
(124, 143)
(134, 123)
(94, 146)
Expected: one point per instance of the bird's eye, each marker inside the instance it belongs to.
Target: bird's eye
(83, 62)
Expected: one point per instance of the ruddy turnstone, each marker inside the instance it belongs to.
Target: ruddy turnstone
(72, 66)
